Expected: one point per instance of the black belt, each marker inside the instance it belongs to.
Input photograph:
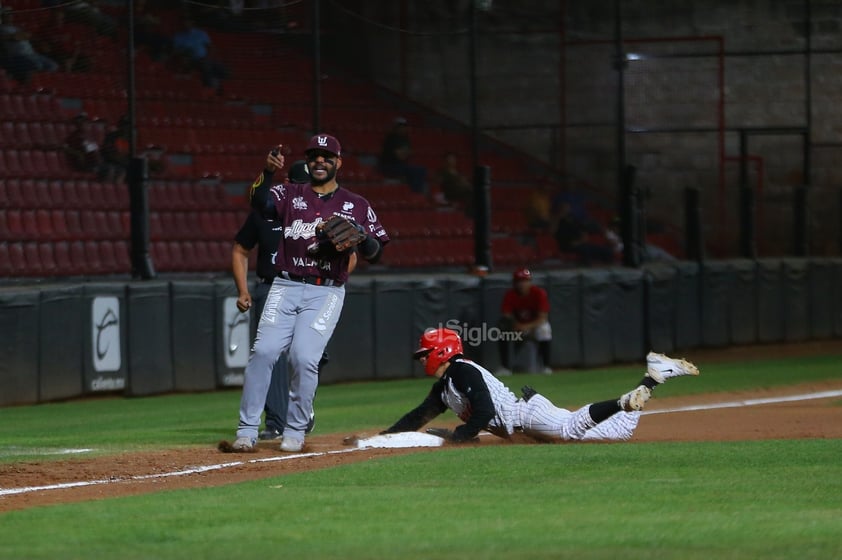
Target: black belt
(315, 280)
(266, 280)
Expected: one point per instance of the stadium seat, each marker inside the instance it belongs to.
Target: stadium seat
(108, 257)
(61, 253)
(78, 258)
(93, 259)
(46, 255)
(14, 194)
(5, 265)
(73, 220)
(14, 224)
(44, 224)
(17, 260)
(32, 259)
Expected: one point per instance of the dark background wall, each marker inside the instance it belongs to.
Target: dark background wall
(141, 338)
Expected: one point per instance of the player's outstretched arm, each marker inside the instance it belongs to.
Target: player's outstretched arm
(419, 416)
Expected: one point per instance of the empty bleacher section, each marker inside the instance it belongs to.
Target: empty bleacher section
(208, 146)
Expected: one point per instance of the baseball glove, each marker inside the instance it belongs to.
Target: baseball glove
(342, 233)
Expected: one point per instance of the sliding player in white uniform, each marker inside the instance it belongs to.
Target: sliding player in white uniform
(482, 402)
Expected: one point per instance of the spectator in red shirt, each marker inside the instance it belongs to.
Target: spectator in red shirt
(525, 312)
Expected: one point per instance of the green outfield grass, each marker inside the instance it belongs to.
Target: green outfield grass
(735, 500)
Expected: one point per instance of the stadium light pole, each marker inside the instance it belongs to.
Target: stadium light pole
(482, 174)
(136, 173)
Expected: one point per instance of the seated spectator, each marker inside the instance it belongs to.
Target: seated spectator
(539, 208)
(455, 187)
(192, 47)
(395, 158)
(17, 54)
(116, 152)
(86, 13)
(56, 40)
(586, 242)
(80, 149)
(146, 26)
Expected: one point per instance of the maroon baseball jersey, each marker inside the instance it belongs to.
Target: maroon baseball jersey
(300, 210)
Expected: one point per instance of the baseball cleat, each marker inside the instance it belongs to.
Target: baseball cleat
(635, 400)
(244, 444)
(311, 424)
(292, 445)
(661, 367)
(270, 433)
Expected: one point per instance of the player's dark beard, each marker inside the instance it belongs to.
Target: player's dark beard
(330, 173)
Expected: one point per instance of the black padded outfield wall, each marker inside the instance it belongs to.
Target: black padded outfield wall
(19, 344)
(352, 345)
(105, 334)
(139, 338)
(627, 315)
(61, 343)
(823, 288)
(149, 332)
(742, 301)
(688, 305)
(492, 289)
(661, 301)
(837, 303)
(464, 309)
(564, 290)
(796, 287)
(716, 277)
(598, 307)
(193, 329)
(770, 301)
(392, 304)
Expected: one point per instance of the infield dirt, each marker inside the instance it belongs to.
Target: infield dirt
(814, 418)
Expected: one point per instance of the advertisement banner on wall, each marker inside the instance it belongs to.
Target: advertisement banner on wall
(233, 337)
(105, 359)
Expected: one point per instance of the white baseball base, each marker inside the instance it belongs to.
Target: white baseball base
(401, 439)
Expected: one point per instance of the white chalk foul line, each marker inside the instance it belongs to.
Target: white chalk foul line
(750, 402)
(220, 466)
(192, 470)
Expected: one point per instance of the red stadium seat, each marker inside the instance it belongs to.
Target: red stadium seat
(61, 253)
(59, 225)
(78, 258)
(14, 224)
(93, 259)
(74, 225)
(44, 224)
(32, 258)
(56, 192)
(5, 265)
(17, 260)
(46, 254)
(108, 257)
(14, 194)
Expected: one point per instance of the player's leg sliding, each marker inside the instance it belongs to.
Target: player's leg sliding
(617, 419)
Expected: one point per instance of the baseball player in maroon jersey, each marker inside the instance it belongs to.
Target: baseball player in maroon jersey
(482, 402)
(323, 225)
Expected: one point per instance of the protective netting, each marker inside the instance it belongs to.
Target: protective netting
(217, 84)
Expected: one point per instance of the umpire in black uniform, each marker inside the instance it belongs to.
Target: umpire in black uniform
(266, 235)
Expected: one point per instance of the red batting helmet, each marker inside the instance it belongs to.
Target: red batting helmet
(438, 345)
(521, 274)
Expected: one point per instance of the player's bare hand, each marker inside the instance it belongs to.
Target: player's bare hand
(275, 159)
(244, 302)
